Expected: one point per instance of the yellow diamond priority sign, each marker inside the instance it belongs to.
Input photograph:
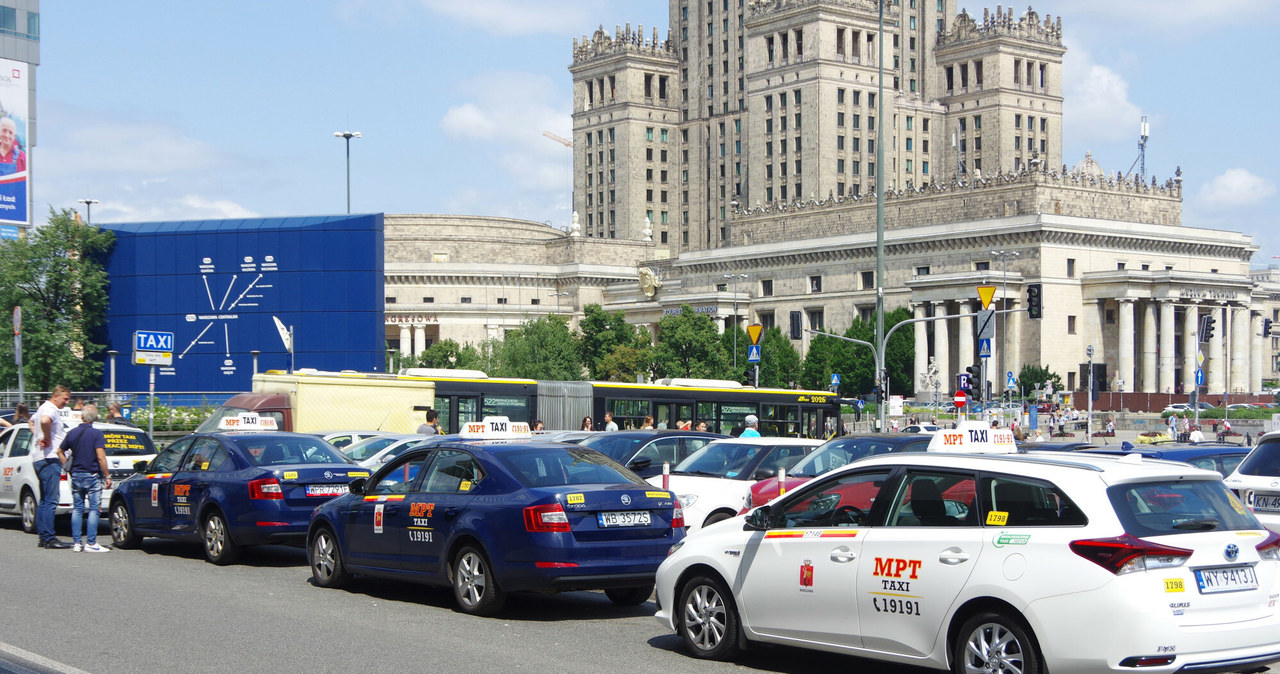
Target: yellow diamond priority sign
(753, 331)
(986, 293)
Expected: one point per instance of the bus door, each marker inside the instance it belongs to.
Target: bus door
(780, 421)
(819, 422)
(463, 409)
(710, 412)
(669, 414)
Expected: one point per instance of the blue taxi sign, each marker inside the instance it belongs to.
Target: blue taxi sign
(151, 340)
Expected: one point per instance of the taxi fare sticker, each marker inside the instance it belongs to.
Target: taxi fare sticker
(812, 533)
(358, 473)
(1004, 539)
(576, 500)
(658, 494)
(465, 486)
(377, 518)
(385, 497)
(291, 475)
(1173, 585)
(997, 518)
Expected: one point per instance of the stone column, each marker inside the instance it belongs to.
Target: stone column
(419, 339)
(1239, 348)
(965, 348)
(1215, 372)
(1124, 347)
(406, 340)
(1149, 347)
(1167, 348)
(1255, 351)
(1190, 346)
(942, 341)
(921, 346)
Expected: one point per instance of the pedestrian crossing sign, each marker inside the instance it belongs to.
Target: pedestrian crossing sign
(984, 348)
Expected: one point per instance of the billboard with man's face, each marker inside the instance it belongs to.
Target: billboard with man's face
(14, 113)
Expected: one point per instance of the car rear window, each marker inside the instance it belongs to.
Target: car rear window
(564, 466)
(617, 447)
(1263, 460)
(1165, 507)
(127, 443)
(276, 451)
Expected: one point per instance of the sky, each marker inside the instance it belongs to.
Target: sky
(193, 110)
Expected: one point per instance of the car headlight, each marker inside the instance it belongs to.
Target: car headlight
(687, 500)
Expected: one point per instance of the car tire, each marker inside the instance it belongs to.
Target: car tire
(326, 559)
(715, 517)
(629, 596)
(992, 642)
(474, 585)
(216, 535)
(122, 532)
(29, 506)
(708, 619)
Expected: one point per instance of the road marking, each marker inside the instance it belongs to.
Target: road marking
(39, 660)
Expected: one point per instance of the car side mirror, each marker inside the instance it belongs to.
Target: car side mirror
(140, 466)
(640, 463)
(758, 519)
(356, 486)
(764, 473)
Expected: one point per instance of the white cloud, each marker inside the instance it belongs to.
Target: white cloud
(513, 17)
(1170, 13)
(1235, 188)
(1097, 106)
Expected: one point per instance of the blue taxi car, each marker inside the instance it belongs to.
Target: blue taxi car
(489, 518)
(230, 489)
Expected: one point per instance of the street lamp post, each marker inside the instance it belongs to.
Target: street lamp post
(88, 209)
(558, 296)
(1004, 256)
(735, 278)
(348, 135)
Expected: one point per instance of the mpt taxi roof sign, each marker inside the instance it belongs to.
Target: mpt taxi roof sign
(151, 347)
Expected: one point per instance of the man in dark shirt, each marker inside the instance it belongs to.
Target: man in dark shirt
(115, 415)
(90, 473)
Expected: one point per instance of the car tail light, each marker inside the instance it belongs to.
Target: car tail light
(1269, 548)
(1148, 661)
(266, 488)
(677, 518)
(555, 565)
(1129, 554)
(549, 517)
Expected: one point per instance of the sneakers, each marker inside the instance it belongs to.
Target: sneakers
(94, 547)
(77, 547)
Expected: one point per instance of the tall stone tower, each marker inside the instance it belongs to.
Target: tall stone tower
(625, 136)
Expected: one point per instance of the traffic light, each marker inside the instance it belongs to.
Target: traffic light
(1035, 300)
(975, 382)
(1266, 327)
(1207, 324)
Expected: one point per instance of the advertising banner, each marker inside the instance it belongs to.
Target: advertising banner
(14, 114)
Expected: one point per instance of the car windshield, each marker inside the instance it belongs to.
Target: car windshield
(1178, 506)
(1263, 460)
(620, 448)
(837, 453)
(127, 443)
(365, 449)
(282, 450)
(564, 466)
(739, 460)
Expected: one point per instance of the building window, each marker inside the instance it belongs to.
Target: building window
(868, 280)
(1071, 325)
(982, 266)
(815, 284)
(440, 257)
(766, 287)
(766, 319)
(535, 301)
(922, 271)
(815, 319)
(428, 300)
(389, 300)
(502, 300)
(1119, 265)
(464, 300)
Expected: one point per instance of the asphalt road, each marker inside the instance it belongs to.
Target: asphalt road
(163, 608)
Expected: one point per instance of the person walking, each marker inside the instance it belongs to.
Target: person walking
(90, 474)
(48, 431)
(753, 427)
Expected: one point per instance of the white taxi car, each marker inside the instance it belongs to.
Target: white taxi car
(20, 486)
(1257, 481)
(714, 482)
(990, 563)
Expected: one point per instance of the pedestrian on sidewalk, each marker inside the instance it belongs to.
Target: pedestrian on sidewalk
(90, 474)
(48, 431)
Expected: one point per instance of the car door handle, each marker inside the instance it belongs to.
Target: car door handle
(843, 555)
(953, 556)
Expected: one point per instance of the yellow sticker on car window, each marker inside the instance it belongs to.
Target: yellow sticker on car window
(997, 518)
(1173, 585)
(576, 499)
(465, 486)
(291, 475)
(658, 494)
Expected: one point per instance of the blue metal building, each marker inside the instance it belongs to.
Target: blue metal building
(216, 284)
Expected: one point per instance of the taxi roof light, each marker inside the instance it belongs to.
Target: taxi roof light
(973, 437)
(247, 421)
(495, 428)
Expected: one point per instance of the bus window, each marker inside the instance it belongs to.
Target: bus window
(515, 408)
(710, 413)
(780, 421)
(468, 410)
(628, 414)
(734, 415)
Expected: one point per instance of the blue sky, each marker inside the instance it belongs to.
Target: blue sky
(189, 110)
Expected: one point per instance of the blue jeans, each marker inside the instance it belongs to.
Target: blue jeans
(85, 485)
(50, 473)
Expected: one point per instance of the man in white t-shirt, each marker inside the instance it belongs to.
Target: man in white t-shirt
(48, 431)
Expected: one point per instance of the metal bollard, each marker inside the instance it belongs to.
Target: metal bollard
(666, 475)
(782, 481)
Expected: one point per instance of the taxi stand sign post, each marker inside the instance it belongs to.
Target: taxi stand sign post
(152, 348)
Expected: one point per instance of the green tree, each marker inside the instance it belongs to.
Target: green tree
(826, 356)
(600, 333)
(630, 359)
(541, 349)
(900, 355)
(779, 360)
(444, 353)
(728, 343)
(58, 276)
(1034, 376)
(689, 346)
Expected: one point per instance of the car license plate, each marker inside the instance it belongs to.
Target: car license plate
(326, 489)
(624, 518)
(1226, 579)
(1266, 503)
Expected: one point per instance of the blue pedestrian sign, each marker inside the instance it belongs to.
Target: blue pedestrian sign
(1199, 377)
(984, 348)
(835, 379)
(1009, 381)
(150, 340)
(753, 353)
(859, 403)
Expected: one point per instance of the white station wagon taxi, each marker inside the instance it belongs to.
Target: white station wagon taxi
(1257, 481)
(990, 563)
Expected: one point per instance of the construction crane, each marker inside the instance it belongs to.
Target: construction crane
(563, 141)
